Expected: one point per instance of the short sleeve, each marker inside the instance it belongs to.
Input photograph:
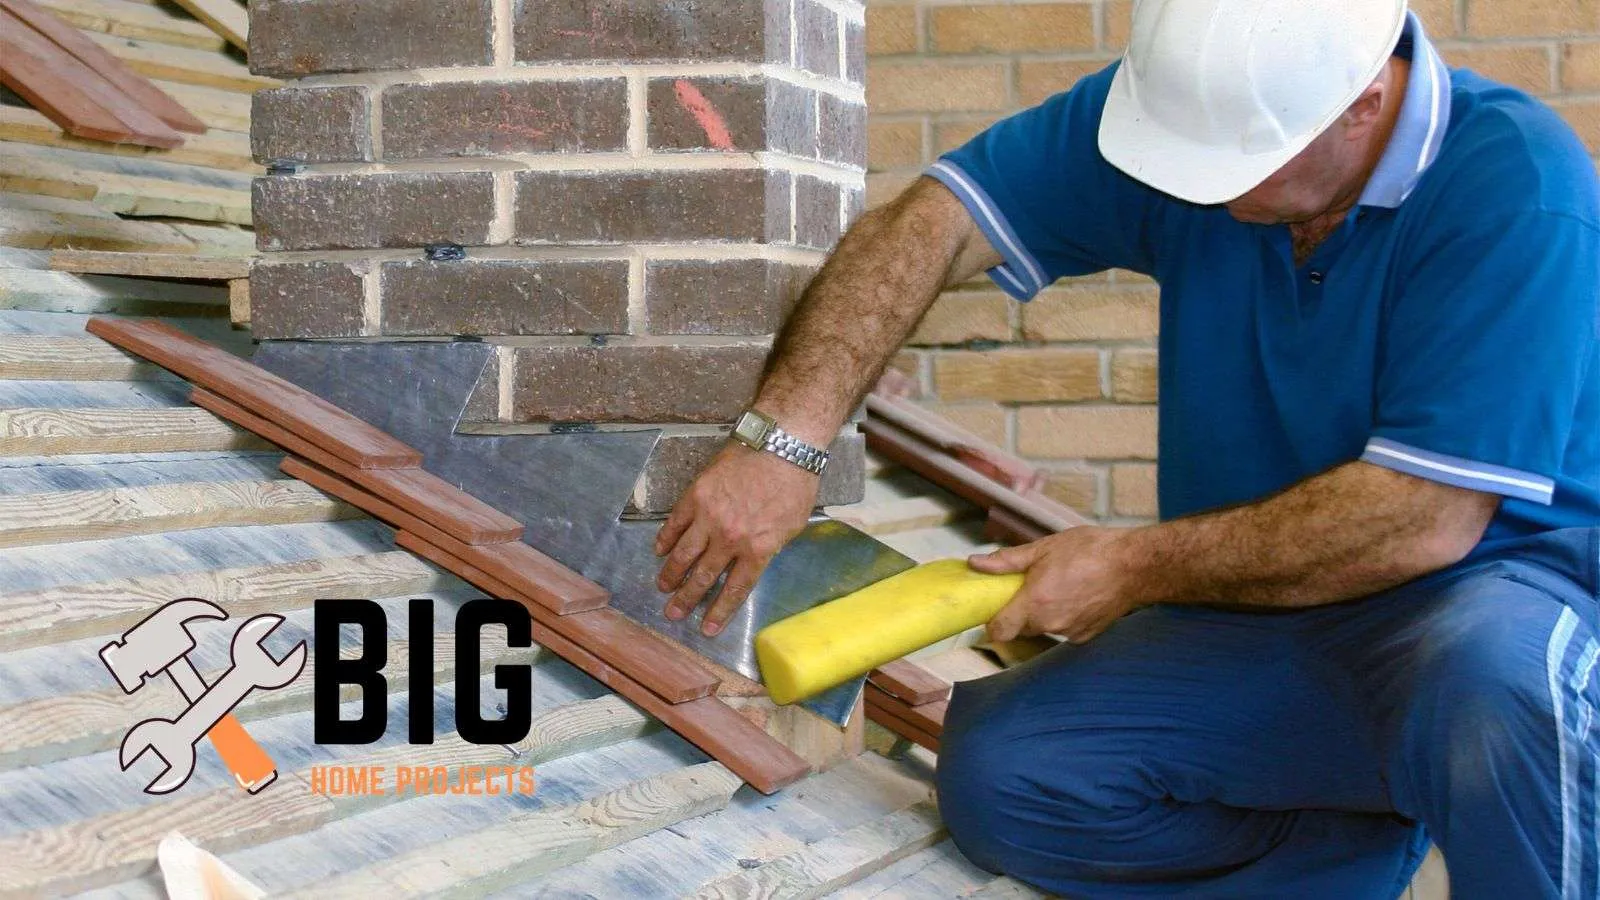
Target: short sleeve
(1488, 343)
(1046, 198)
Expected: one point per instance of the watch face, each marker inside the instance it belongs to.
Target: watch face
(751, 429)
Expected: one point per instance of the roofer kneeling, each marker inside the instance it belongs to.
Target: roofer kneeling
(1368, 617)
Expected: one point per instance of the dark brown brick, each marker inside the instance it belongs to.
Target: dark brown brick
(736, 296)
(816, 212)
(708, 114)
(726, 113)
(641, 30)
(855, 203)
(305, 300)
(304, 37)
(842, 130)
(855, 52)
(334, 212)
(623, 383)
(678, 458)
(502, 297)
(817, 44)
(310, 124)
(624, 207)
(489, 118)
(792, 118)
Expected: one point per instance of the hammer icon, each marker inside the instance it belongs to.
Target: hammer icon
(161, 643)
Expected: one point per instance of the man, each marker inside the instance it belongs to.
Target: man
(1368, 617)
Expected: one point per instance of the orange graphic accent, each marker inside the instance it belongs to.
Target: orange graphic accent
(250, 765)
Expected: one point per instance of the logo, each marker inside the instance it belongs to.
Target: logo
(162, 644)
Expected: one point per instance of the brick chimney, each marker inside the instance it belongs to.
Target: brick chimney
(641, 189)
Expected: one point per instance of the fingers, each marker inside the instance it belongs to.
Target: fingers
(1010, 621)
(700, 579)
(684, 553)
(672, 530)
(1006, 561)
(741, 580)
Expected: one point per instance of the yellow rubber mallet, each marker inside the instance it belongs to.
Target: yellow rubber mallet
(829, 644)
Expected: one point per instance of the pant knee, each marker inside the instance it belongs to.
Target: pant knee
(1006, 791)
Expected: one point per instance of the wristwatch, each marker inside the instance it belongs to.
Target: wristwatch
(761, 432)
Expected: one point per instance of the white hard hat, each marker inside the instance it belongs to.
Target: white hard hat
(1214, 96)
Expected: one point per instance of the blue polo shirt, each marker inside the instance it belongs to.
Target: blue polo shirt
(1447, 330)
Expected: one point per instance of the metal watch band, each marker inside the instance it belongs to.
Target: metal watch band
(795, 450)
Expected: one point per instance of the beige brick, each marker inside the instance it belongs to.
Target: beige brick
(1011, 28)
(961, 316)
(936, 87)
(949, 135)
(892, 145)
(986, 420)
(909, 363)
(1525, 67)
(1527, 18)
(1119, 21)
(1580, 67)
(885, 186)
(1133, 376)
(1018, 375)
(1091, 313)
(1439, 16)
(1087, 432)
(1038, 81)
(1133, 490)
(1077, 488)
(1584, 117)
(891, 30)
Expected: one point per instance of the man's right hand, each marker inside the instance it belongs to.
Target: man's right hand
(736, 516)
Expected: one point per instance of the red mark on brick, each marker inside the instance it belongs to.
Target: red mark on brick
(706, 115)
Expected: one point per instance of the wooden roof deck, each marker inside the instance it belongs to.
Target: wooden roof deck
(115, 495)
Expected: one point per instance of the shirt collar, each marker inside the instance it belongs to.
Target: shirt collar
(1419, 132)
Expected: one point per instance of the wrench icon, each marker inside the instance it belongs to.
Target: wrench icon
(174, 740)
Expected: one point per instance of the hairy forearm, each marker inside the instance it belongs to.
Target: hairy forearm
(1350, 532)
(861, 307)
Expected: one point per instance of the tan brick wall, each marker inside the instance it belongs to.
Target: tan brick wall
(1068, 381)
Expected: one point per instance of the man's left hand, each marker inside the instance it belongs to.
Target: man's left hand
(1077, 583)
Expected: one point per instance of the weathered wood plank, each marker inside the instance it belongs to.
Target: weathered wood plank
(27, 225)
(135, 20)
(907, 514)
(225, 17)
(127, 195)
(183, 64)
(52, 358)
(1006, 889)
(940, 872)
(530, 845)
(61, 516)
(151, 265)
(834, 862)
(239, 302)
(63, 292)
(66, 612)
(50, 432)
(45, 730)
(216, 149)
(105, 849)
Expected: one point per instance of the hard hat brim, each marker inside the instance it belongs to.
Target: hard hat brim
(1207, 174)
